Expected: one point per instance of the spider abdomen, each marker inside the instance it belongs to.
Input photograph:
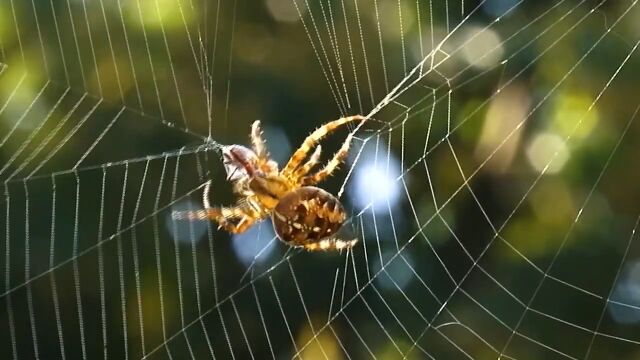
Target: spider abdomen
(309, 217)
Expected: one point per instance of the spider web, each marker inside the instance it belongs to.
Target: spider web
(491, 187)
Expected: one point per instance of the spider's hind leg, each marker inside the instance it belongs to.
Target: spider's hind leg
(224, 216)
(236, 227)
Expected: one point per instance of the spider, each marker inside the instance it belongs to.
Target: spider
(303, 215)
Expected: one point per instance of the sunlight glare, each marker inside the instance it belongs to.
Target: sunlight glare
(375, 183)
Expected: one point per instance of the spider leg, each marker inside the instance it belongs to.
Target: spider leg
(332, 165)
(310, 164)
(258, 142)
(218, 214)
(224, 216)
(313, 139)
(236, 228)
(260, 148)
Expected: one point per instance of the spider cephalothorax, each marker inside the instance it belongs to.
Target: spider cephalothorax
(302, 214)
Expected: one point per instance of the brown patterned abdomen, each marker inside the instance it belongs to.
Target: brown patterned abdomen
(306, 216)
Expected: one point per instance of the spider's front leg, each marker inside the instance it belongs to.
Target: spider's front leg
(314, 138)
(310, 164)
(264, 162)
(258, 142)
(338, 158)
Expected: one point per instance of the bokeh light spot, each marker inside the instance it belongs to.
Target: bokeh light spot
(574, 111)
(498, 8)
(316, 345)
(548, 153)
(255, 244)
(395, 19)
(397, 272)
(374, 181)
(24, 91)
(501, 130)
(625, 298)
(184, 230)
(482, 48)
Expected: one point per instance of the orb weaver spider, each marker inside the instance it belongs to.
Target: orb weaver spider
(303, 215)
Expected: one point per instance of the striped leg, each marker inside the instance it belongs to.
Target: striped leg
(265, 163)
(310, 164)
(237, 228)
(221, 215)
(313, 139)
(258, 142)
(332, 165)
